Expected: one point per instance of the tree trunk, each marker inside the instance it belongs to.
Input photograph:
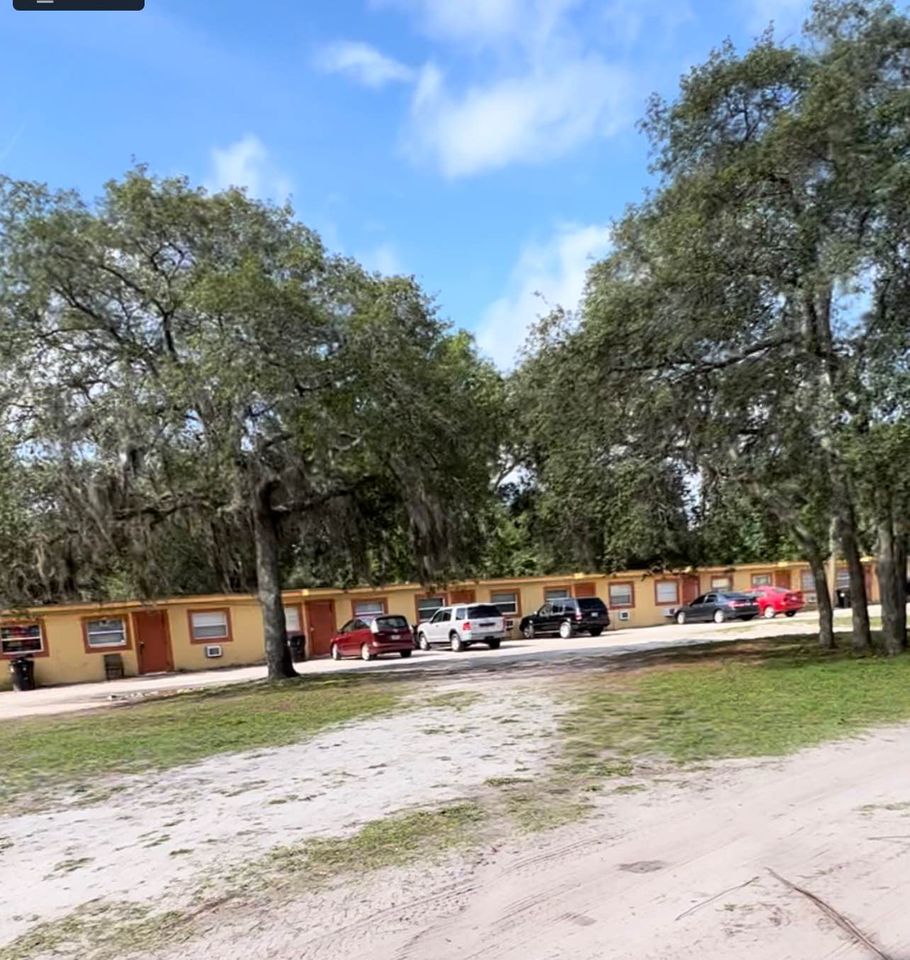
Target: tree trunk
(268, 583)
(859, 601)
(892, 580)
(823, 595)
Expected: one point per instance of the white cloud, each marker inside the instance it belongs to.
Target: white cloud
(787, 15)
(546, 275)
(531, 118)
(364, 63)
(483, 21)
(247, 163)
(383, 259)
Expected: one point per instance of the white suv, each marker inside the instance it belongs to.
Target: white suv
(460, 626)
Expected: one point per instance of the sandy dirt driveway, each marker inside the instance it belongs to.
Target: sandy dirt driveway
(682, 871)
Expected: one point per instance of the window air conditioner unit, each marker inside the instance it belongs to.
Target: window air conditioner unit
(214, 651)
(625, 616)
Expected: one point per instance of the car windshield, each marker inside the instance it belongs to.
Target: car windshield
(391, 623)
(483, 610)
(591, 603)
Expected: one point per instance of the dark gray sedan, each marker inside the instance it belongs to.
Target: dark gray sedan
(718, 606)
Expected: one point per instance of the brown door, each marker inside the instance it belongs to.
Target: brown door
(320, 618)
(462, 596)
(153, 641)
(585, 590)
(690, 589)
(782, 579)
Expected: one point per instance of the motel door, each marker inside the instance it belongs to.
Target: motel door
(462, 596)
(153, 641)
(320, 618)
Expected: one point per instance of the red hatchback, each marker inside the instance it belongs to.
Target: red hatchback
(775, 600)
(370, 637)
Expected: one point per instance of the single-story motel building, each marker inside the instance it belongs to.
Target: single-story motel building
(73, 643)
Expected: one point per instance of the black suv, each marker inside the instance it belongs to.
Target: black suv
(567, 617)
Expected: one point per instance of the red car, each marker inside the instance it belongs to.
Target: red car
(370, 637)
(775, 600)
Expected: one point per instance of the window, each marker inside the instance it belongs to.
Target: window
(18, 638)
(427, 606)
(843, 579)
(556, 593)
(209, 625)
(460, 613)
(761, 579)
(392, 622)
(666, 592)
(483, 611)
(622, 595)
(369, 608)
(506, 601)
(721, 583)
(292, 619)
(102, 634)
(698, 601)
(441, 615)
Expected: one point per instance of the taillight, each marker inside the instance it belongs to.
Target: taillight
(466, 625)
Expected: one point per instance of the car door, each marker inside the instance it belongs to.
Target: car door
(708, 607)
(341, 636)
(541, 619)
(436, 628)
(694, 610)
(555, 617)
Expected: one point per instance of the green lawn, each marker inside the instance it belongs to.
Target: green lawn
(40, 756)
(753, 699)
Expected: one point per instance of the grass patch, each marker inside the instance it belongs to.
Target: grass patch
(767, 700)
(101, 931)
(56, 752)
(395, 840)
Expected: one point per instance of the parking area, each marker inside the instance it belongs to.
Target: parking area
(520, 652)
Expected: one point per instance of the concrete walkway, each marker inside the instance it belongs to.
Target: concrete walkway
(91, 696)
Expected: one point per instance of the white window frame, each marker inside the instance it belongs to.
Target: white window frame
(21, 653)
(122, 635)
(661, 602)
(512, 604)
(721, 582)
(292, 612)
(630, 592)
(210, 638)
(428, 614)
(377, 608)
(550, 594)
(762, 580)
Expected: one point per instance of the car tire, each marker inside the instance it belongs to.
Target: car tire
(423, 643)
(455, 642)
(681, 618)
(719, 616)
(527, 631)
(597, 631)
(404, 654)
(365, 652)
(566, 631)
(494, 644)
(336, 652)
(791, 613)
(770, 613)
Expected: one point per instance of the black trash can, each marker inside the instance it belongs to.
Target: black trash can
(22, 670)
(297, 643)
(843, 599)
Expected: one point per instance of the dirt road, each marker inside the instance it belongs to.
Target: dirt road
(681, 871)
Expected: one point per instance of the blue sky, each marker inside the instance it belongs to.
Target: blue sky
(482, 145)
